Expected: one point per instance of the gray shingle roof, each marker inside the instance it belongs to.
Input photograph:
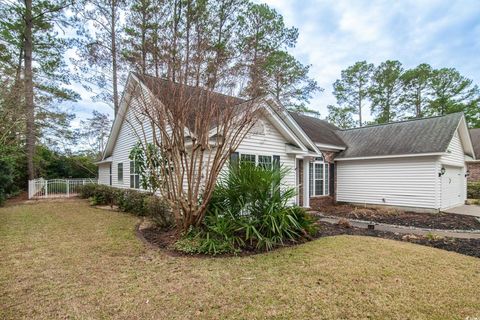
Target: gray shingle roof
(475, 135)
(319, 131)
(428, 135)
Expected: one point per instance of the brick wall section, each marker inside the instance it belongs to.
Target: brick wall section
(474, 169)
(316, 203)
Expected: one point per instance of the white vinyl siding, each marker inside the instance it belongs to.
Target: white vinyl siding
(409, 182)
(455, 155)
(127, 139)
(104, 173)
(267, 142)
(270, 142)
(453, 184)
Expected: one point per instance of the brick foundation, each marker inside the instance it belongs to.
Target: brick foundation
(474, 168)
(316, 203)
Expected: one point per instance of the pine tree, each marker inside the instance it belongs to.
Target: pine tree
(386, 91)
(351, 90)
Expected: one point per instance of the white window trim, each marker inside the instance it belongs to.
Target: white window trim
(123, 173)
(133, 174)
(256, 157)
(326, 179)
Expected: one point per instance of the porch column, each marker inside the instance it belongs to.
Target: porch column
(306, 182)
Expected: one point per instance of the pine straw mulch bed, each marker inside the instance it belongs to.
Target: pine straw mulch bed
(165, 239)
(446, 221)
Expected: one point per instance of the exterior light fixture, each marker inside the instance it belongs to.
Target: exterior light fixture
(467, 174)
(442, 172)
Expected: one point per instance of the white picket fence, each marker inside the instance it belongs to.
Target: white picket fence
(55, 188)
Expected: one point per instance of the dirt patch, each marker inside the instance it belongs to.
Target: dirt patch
(21, 198)
(446, 221)
(470, 247)
(161, 238)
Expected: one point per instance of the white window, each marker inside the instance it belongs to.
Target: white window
(318, 178)
(265, 161)
(248, 158)
(259, 160)
(134, 175)
(120, 172)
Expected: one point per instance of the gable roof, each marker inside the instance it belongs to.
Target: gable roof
(475, 136)
(160, 89)
(418, 136)
(319, 131)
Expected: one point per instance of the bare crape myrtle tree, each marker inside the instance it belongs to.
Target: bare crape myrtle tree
(187, 135)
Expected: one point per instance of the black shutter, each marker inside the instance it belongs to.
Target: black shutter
(331, 176)
(110, 173)
(234, 158)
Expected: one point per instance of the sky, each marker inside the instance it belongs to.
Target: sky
(334, 34)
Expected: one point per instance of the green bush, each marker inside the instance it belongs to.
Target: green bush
(473, 190)
(135, 202)
(8, 172)
(132, 201)
(159, 212)
(249, 209)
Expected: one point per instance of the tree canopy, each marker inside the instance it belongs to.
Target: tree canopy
(395, 93)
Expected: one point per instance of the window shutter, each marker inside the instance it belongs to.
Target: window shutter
(234, 157)
(332, 179)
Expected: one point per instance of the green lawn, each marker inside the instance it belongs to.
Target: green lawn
(67, 260)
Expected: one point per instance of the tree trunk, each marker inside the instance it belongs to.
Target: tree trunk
(144, 45)
(360, 105)
(29, 105)
(419, 104)
(114, 59)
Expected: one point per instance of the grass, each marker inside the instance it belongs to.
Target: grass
(67, 260)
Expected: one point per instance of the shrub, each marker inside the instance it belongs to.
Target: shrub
(135, 202)
(7, 175)
(198, 242)
(132, 201)
(249, 208)
(159, 212)
(87, 191)
(473, 190)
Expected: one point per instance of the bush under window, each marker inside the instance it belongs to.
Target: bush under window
(249, 210)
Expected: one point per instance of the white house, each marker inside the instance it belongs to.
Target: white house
(417, 163)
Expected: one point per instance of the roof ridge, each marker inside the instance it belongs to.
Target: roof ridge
(402, 121)
(138, 75)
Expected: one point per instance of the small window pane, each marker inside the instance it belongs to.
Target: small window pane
(318, 171)
(137, 181)
(327, 180)
(248, 158)
(265, 161)
(318, 187)
(132, 181)
(132, 165)
(120, 172)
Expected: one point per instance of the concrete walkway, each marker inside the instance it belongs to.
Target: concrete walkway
(465, 234)
(470, 210)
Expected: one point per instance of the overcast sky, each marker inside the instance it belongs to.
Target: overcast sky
(335, 34)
